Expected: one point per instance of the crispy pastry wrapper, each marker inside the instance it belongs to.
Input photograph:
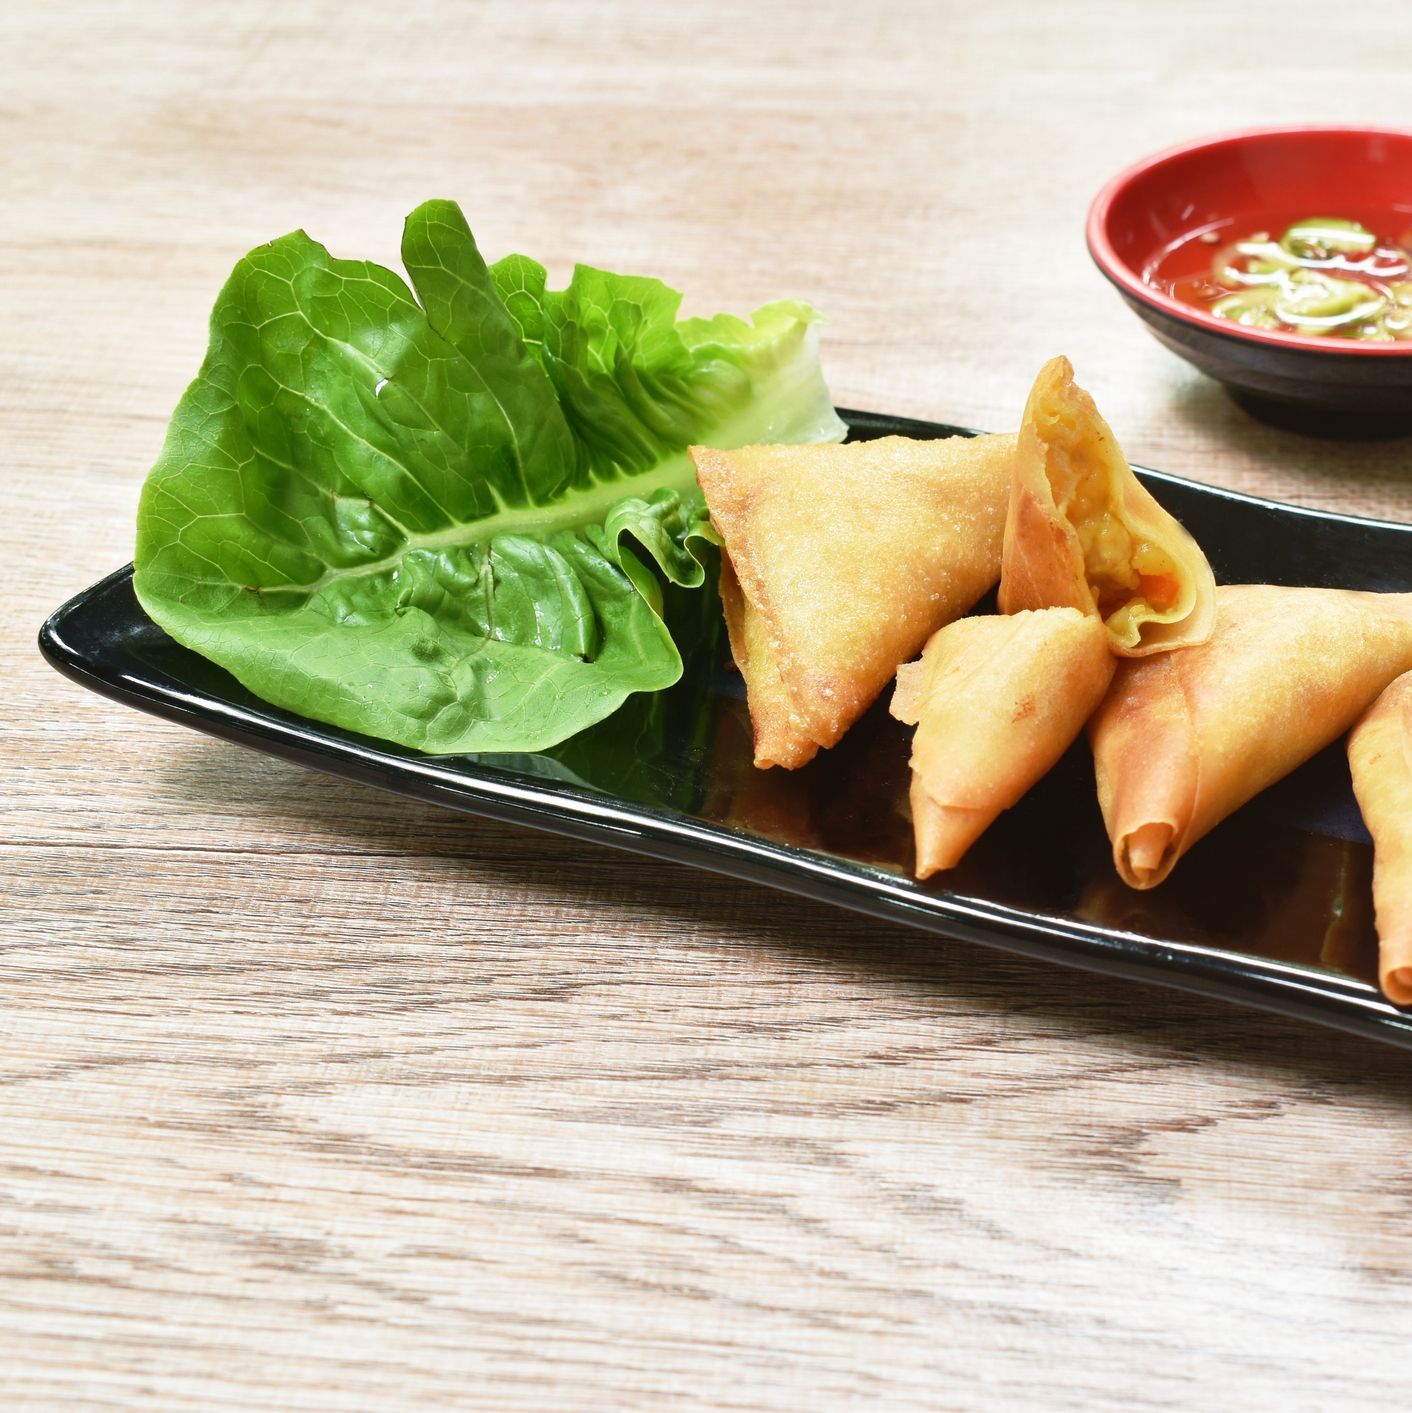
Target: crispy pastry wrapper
(1082, 530)
(1185, 738)
(1380, 755)
(996, 701)
(839, 562)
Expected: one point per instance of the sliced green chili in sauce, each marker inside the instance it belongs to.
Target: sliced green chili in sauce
(1324, 275)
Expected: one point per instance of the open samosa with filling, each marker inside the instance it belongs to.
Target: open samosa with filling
(1184, 738)
(839, 562)
(996, 701)
(1380, 755)
(1092, 566)
(1083, 532)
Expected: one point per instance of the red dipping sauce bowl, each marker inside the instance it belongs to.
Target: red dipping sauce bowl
(1163, 216)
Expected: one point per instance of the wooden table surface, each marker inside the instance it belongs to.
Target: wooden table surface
(315, 1099)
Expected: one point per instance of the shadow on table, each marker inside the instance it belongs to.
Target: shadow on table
(1329, 466)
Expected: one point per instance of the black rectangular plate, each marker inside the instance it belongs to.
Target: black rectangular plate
(1273, 909)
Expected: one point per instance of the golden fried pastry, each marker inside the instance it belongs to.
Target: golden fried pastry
(996, 701)
(839, 562)
(1083, 532)
(1184, 738)
(1380, 755)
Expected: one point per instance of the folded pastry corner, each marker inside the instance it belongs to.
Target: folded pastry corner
(838, 562)
(1380, 757)
(1083, 531)
(996, 701)
(782, 735)
(1185, 738)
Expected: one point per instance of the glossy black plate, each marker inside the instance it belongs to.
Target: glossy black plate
(1273, 909)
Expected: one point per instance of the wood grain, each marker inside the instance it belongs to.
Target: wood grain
(314, 1099)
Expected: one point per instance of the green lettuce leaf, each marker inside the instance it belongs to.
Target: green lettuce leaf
(443, 515)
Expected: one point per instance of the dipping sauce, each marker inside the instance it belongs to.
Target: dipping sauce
(1325, 275)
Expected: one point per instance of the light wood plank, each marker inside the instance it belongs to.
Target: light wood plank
(311, 1098)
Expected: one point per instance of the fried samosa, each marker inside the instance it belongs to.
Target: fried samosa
(1184, 738)
(1380, 754)
(996, 701)
(1082, 530)
(839, 562)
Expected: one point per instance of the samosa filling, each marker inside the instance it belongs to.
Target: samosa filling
(1129, 577)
